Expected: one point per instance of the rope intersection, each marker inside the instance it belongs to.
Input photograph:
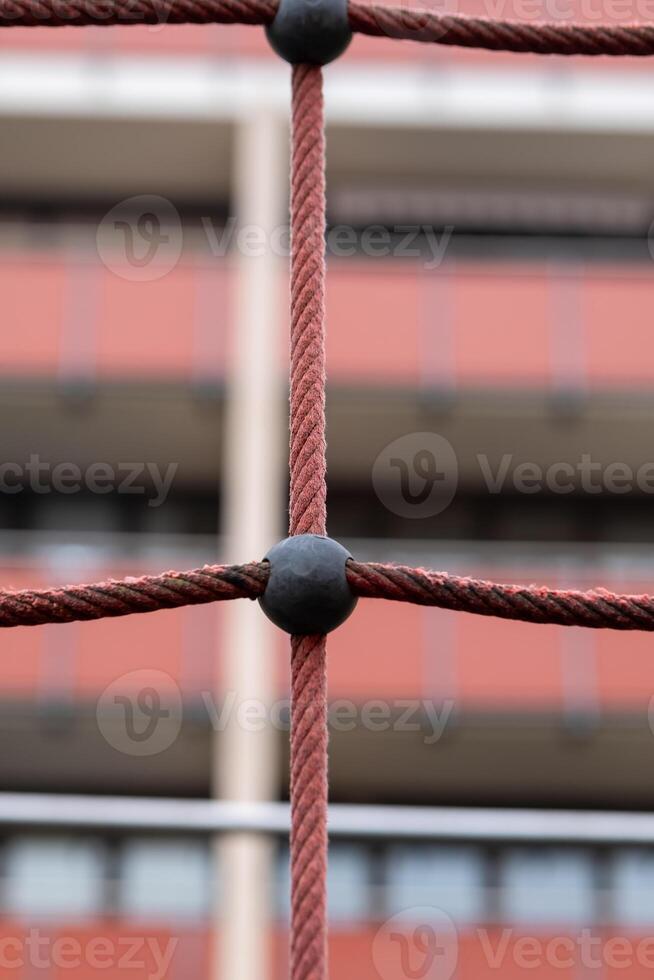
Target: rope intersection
(377, 20)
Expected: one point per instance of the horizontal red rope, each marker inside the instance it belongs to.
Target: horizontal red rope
(104, 13)
(149, 593)
(597, 609)
(372, 19)
(501, 35)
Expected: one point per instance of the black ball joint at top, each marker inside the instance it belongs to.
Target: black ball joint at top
(311, 32)
(307, 590)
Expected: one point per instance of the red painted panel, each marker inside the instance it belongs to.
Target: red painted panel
(181, 39)
(111, 948)
(33, 304)
(112, 649)
(626, 953)
(17, 576)
(14, 952)
(621, 299)
(373, 317)
(378, 652)
(514, 953)
(480, 953)
(147, 328)
(90, 952)
(625, 670)
(178, 327)
(21, 662)
(506, 663)
(64, 39)
(502, 327)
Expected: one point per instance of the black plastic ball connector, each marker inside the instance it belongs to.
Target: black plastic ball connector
(310, 32)
(307, 590)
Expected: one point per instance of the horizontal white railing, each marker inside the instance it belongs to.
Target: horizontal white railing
(345, 820)
(31, 548)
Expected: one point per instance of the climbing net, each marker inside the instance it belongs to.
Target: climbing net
(596, 609)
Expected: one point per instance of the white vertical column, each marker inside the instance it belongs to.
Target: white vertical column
(245, 760)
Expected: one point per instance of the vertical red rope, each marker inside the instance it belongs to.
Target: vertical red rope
(308, 808)
(307, 456)
(308, 516)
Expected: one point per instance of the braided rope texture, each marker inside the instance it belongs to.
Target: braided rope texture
(309, 791)
(149, 593)
(596, 609)
(308, 509)
(498, 35)
(308, 515)
(105, 13)
(376, 20)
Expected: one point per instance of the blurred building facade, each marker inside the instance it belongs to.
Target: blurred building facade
(489, 412)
